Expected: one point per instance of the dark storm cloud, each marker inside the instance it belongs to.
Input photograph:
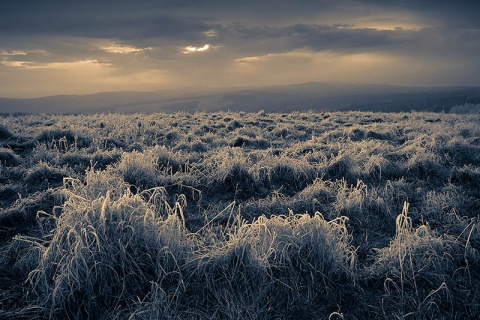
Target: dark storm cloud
(102, 24)
(142, 19)
(262, 40)
(188, 19)
(459, 13)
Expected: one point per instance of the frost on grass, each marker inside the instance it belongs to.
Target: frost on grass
(274, 265)
(419, 270)
(238, 215)
(109, 245)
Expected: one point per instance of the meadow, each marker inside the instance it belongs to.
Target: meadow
(234, 215)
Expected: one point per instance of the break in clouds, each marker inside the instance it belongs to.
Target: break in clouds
(121, 45)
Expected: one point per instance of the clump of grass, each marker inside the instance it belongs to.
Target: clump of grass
(168, 161)
(271, 265)
(8, 194)
(192, 146)
(76, 161)
(65, 139)
(462, 154)
(239, 181)
(468, 176)
(139, 169)
(21, 214)
(340, 167)
(44, 176)
(444, 209)
(136, 146)
(106, 251)
(282, 173)
(287, 175)
(240, 142)
(418, 268)
(228, 175)
(234, 124)
(253, 143)
(377, 166)
(378, 135)
(5, 133)
(356, 134)
(318, 196)
(81, 161)
(426, 166)
(9, 159)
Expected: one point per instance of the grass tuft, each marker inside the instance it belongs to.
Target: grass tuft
(111, 247)
(5, 133)
(9, 159)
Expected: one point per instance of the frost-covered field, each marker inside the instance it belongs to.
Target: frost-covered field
(240, 216)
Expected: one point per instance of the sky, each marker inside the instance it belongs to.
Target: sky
(50, 47)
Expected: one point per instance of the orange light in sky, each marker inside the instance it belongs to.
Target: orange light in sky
(191, 49)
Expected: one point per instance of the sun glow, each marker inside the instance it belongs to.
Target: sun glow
(383, 27)
(52, 65)
(271, 56)
(389, 22)
(191, 49)
(123, 49)
(12, 53)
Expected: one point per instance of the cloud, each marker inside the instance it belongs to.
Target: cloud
(52, 65)
(101, 23)
(204, 48)
(123, 49)
(269, 26)
(12, 53)
(211, 33)
(125, 19)
(256, 41)
(452, 14)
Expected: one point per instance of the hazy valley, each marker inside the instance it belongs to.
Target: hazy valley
(313, 96)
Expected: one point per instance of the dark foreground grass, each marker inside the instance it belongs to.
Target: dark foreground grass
(240, 216)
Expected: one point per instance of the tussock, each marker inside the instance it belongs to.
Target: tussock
(43, 176)
(115, 244)
(5, 133)
(9, 158)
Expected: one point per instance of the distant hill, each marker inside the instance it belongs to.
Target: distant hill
(306, 96)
